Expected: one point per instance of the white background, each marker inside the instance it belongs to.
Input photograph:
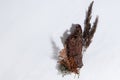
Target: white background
(28, 26)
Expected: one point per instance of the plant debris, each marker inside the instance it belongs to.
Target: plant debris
(70, 57)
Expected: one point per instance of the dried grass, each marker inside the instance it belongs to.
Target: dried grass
(70, 58)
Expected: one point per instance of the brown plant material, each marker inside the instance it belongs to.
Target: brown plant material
(70, 58)
(88, 30)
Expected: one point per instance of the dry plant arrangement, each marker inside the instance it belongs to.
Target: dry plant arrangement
(70, 57)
